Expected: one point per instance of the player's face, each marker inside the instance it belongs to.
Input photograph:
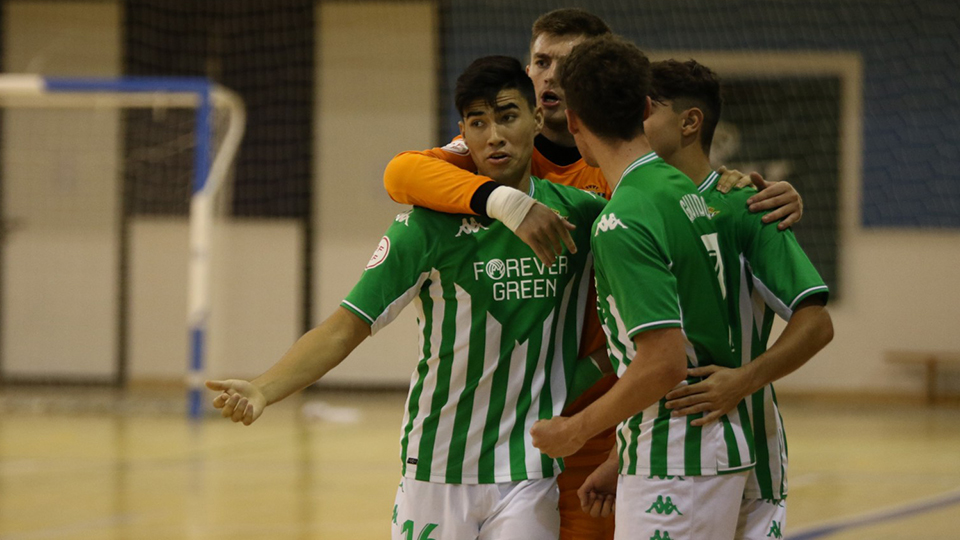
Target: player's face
(663, 128)
(500, 136)
(545, 53)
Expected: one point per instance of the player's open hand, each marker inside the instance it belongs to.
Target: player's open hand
(546, 233)
(715, 396)
(780, 197)
(598, 494)
(239, 400)
(731, 179)
(557, 437)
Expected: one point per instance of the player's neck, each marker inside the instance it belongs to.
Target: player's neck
(521, 182)
(691, 161)
(614, 157)
(559, 136)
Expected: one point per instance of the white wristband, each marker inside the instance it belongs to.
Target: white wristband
(509, 205)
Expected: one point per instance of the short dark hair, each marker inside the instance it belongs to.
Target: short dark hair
(486, 77)
(569, 22)
(689, 84)
(606, 81)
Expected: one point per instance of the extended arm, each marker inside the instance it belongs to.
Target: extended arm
(310, 358)
(659, 365)
(809, 330)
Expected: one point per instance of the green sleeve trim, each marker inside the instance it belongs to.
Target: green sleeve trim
(820, 289)
(357, 311)
(654, 325)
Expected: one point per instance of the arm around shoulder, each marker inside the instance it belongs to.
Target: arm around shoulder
(434, 179)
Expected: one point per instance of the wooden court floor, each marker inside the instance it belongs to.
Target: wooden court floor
(96, 464)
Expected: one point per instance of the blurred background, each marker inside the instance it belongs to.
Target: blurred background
(855, 102)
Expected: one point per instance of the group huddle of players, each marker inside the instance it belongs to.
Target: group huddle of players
(594, 304)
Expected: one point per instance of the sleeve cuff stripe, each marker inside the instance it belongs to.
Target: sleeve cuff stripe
(357, 310)
(671, 322)
(806, 293)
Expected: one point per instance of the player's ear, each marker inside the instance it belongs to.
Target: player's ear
(538, 117)
(648, 108)
(573, 122)
(692, 121)
(460, 125)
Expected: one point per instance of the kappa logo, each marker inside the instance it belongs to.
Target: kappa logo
(664, 506)
(666, 477)
(608, 222)
(657, 535)
(775, 531)
(380, 254)
(404, 217)
(470, 226)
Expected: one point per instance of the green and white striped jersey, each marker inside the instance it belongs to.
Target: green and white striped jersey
(656, 251)
(767, 274)
(499, 335)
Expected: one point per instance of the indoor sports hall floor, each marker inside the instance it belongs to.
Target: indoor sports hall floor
(101, 464)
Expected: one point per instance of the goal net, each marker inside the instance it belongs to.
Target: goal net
(72, 147)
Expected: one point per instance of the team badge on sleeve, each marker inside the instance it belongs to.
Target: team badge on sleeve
(380, 254)
(457, 146)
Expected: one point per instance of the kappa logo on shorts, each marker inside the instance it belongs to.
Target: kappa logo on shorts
(608, 222)
(775, 531)
(657, 535)
(664, 506)
(379, 254)
(470, 226)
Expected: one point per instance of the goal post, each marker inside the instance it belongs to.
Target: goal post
(211, 164)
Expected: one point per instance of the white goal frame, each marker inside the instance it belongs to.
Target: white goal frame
(209, 170)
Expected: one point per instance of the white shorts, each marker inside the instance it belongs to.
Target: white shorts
(525, 510)
(679, 507)
(762, 519)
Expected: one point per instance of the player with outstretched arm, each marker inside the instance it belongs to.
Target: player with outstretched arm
(500, 333)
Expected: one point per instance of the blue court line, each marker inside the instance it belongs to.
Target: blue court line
(889, 514)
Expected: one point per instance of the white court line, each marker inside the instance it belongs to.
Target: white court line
(890, 513)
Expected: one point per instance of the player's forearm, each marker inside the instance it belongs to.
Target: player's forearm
(420, 178)
(809, 330)
(658, 367)
(313, 355)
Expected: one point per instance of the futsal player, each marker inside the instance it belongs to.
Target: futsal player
(499, 334)
(767, 274)
(661, 300)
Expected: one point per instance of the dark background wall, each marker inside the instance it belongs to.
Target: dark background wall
(911, 58)
(261, 49)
